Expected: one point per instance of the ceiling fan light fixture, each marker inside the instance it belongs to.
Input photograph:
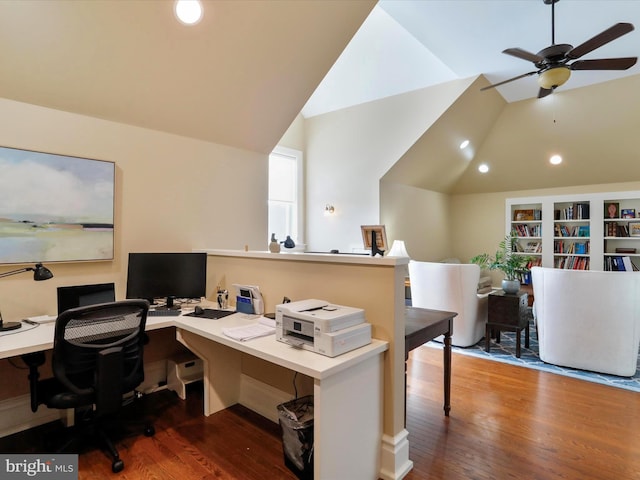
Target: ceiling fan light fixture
(554, 77)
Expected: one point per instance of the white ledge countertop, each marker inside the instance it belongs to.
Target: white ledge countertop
(308, 257)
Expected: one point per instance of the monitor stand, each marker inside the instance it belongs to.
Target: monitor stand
(169, 305)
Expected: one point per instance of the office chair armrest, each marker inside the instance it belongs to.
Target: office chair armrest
(109, 380)
(33, 361)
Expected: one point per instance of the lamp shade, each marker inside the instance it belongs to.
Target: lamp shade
(554, 77)
(40, 272)
(398, 249)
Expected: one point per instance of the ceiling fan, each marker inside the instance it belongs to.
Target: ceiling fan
(552, 63)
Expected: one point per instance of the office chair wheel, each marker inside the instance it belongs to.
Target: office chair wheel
(117, 466)
(149, 431)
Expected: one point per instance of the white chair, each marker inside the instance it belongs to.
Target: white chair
(588, 320)
(451, 287)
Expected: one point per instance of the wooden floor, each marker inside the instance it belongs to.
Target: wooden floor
(506, 422)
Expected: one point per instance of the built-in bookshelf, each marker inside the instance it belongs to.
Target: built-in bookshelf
(621, 227)
(599, 231)
(571, 235)
(525, 225)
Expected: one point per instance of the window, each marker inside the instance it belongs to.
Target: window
(285, 194)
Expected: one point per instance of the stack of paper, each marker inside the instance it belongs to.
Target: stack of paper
(264, 326)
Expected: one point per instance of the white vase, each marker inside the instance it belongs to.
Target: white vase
(511, 286)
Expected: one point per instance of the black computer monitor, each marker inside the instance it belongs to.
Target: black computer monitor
(167, 275)
(83, 295)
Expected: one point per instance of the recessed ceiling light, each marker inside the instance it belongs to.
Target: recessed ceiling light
(464, 144)
(188, 12)
(555, 159)
(483, 168)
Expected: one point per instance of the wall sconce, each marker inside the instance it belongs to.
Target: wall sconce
(329, 209)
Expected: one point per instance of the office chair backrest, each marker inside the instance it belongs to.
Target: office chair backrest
(98, 351)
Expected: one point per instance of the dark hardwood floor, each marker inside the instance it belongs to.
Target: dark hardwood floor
(506, 422)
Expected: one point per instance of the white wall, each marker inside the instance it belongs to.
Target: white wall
(348, 152)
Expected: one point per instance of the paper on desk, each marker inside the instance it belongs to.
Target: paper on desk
(43, 319)
(264, 326)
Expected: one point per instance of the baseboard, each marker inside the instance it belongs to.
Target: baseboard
(16, 415)
(395, 463)
(261, 397)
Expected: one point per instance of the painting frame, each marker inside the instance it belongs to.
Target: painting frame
(634, 229)
(56, 208)
(628, 213)
(381, 237)
(612, 210)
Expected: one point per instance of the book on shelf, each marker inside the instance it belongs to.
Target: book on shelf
(628, 213)
(533, 247)
(574, 211)
(625, 250)
(620, 263)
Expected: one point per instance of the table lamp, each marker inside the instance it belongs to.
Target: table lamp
(40, 272)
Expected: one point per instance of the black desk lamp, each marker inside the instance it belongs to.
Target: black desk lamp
(40, 272)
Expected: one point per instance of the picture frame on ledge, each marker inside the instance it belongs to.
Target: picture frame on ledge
(634, 229)
(374, 238)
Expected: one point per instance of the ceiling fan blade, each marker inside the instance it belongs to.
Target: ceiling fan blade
(603, 38)
(604, 64)
(509, 80)
(523, 54)
(543, 92)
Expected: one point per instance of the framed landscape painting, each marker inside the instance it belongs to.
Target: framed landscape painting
(55, 208)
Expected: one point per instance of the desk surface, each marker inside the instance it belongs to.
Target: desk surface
(268, 348)
(423, 324)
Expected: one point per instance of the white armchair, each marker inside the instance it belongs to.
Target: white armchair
(451, 287)
(588, 320)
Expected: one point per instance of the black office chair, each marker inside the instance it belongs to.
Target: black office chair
(97, 359)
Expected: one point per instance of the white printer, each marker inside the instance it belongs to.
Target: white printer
(322, 327)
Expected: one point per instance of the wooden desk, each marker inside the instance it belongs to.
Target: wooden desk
(423, 325)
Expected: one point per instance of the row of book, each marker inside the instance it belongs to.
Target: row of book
(524, 230)
(576, 211)
(575, 231)
(619, 264)
(572, 263)
(615, 229)
(576, 248)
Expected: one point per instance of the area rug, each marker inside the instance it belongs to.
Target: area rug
(505, 352)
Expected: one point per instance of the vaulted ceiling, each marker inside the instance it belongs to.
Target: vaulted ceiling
(242, 74)
(239, 77)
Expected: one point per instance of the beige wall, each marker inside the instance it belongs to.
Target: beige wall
(376, 288)
(172, 194)
(421, 218)
(478, 220)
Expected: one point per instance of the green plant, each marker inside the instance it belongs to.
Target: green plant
(505, 259)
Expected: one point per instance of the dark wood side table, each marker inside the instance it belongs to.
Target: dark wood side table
(421, 326)
(508, 311)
